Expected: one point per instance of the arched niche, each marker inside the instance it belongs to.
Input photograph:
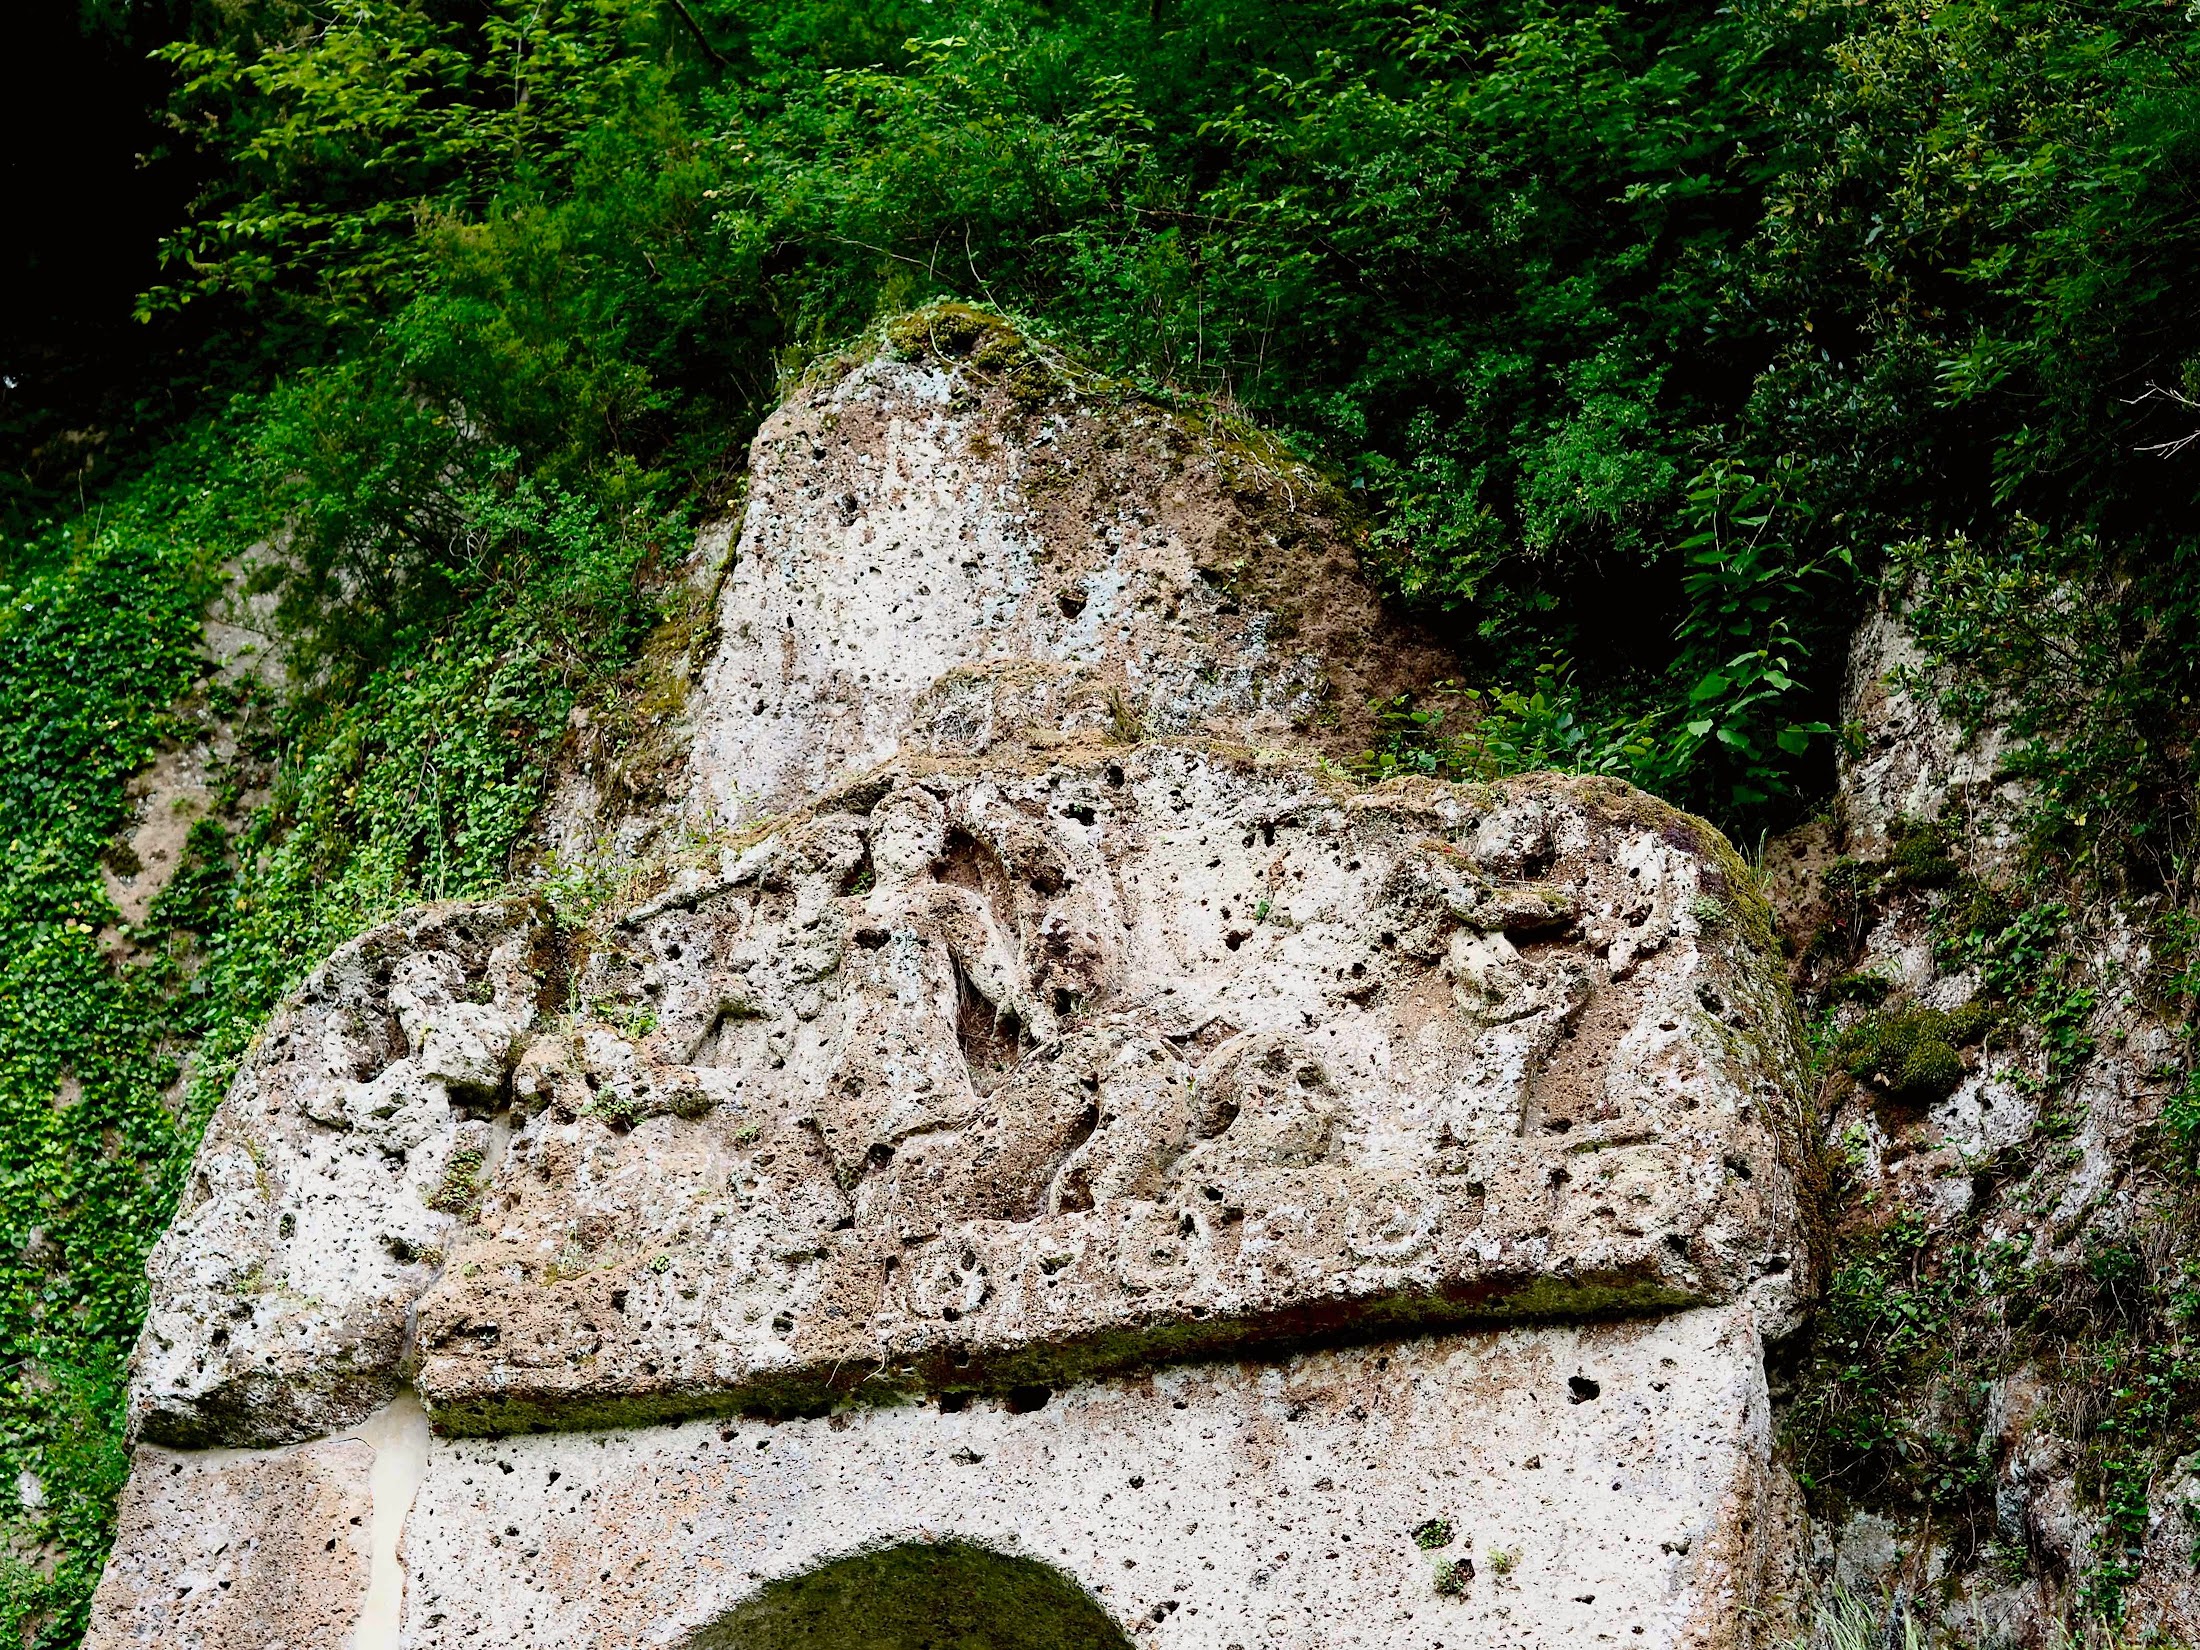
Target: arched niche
(922, 1595)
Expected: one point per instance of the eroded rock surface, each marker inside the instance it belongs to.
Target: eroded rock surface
(1021, 1075)
(987, 1131)
(935, 553)
(1017, 1076)
(324, 1194)
(237, 1550)
(2019, 1157)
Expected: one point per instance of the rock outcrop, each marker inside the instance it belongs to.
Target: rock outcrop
(1054, 1121)
(326, 1192)
(2014, 1150)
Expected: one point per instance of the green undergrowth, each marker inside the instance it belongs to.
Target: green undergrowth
(96, 646)
(328, 812)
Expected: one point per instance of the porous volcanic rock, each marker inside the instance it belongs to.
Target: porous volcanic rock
(323, 1195)
(1053, 1114)
(239, 1550)
(1312, 1502)
(951, 540)
(1022, 1075)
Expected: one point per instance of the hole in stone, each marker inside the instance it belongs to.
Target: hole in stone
(1022, 1400)
(1072, 602)
(1581, 1390)
(954, 1403)
(917, 1596)
(1076, 1190)
(1115, 773)
(991, 1038)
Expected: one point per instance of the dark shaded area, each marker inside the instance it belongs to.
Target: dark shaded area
(86, 198)
(947, 1595)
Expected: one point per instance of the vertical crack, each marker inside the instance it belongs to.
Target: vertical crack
(398, 1434)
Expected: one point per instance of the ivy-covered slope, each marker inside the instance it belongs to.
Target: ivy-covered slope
(116, 1038)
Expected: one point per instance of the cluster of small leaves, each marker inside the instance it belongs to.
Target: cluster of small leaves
(1548, 726)
(1882, 1324)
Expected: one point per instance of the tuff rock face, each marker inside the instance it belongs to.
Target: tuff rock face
(937, 557)
(322, 1199)
(1023, 1075)
(979, 1141)
(1980, 1166)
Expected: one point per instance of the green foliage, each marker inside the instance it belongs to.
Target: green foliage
(1883, 1331)
(1642, 327)
(416, 783)
(2181, 1123)
(590, 231)
(1549, 726)
(1739, 655)
(95, 648)
(1918, 1323)
(461, 1186)
(1923, 856)
(2147, 1386)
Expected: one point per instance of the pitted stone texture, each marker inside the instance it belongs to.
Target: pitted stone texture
(1203, 1506)
(1018, 1050)
(238, 1550)
(1908, 760)
(1023, 1076)
(281, 1294)
(933, 559)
